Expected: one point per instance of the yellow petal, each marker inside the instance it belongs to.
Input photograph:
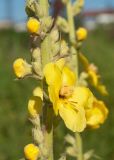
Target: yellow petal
(68, 77)
(60, 63)
(97, 114)
(34, 106)
(38, 92)
(54, 97)
(52, 74)
(84, 60)
(102, 89)
(82, 96)
(74, 118)
(21, 68)
(93, 78)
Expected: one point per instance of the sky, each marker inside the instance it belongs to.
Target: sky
(98, 4)
(14, 9)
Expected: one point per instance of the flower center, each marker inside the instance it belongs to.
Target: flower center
(65, 92)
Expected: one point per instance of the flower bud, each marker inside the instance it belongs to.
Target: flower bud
(33, 25)
(21, 68)
(31, 152)
(81, 34)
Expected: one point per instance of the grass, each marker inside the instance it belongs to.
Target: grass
(15, 130)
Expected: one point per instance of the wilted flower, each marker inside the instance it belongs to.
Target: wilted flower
(69, 101)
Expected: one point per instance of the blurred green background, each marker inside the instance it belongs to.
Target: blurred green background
(15, 129)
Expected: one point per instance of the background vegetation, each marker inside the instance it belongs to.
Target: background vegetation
(15, 130)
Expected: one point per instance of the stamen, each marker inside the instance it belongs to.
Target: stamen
(65, 91)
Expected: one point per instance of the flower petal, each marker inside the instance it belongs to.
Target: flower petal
(84, 61)
(52, 74)
(60, 63)
(38, 92)
(74, 118)
(34, 106)
(102, 89)
(21, 68)
(68, 77)
(97, 114)
(93, 78)
(82, 96)
(54, 96)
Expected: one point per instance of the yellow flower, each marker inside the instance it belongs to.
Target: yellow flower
(68, 77)
(93, 78)
(38, 92)
(93, 75)
(60, 63)
(34, 106)
(33, 25)
(97, 114)
(55, 74)
(81, 34)
(21, 68)
(68, 100)
(35, 102)
(31, 152)
(91, 69)
(102, 89)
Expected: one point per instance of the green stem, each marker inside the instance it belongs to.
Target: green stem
(71, 23)
(48, 132)
(72, 37)
(50, 143)
(79, 146)
(45, 52)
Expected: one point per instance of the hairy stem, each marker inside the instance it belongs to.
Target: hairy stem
(50, 144)
(71, 23)
(72, 38)
(45, 7)
(79, 146)
(45, 52)
(49, 133)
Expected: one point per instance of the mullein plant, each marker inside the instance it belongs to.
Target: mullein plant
(62, 93)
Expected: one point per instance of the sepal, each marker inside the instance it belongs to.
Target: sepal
(62, 24)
